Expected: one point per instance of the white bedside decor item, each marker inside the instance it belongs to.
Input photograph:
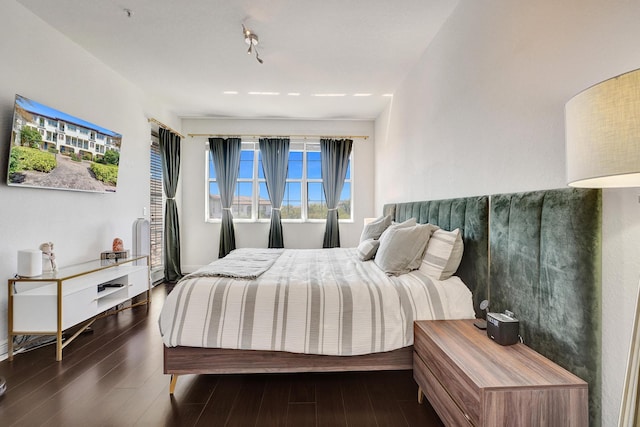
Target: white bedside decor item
(29, 262)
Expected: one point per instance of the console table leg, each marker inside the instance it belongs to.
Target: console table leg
(420, 395)
(59, 346)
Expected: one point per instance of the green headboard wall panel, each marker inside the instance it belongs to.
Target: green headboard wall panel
(537, 254)
(471, 215)
(546, 267)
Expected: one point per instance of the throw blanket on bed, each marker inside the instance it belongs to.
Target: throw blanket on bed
(240, 264)
(318, 301)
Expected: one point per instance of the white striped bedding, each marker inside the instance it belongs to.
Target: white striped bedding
(315, 301)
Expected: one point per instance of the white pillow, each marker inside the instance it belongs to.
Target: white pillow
(443, 254)
(367, 249)
(374, 229)
(402, 248)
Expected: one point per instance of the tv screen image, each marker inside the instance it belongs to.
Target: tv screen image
(52, 149)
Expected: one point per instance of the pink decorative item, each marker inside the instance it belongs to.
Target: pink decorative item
(118, 245)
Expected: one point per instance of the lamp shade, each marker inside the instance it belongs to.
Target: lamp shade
(602, 126)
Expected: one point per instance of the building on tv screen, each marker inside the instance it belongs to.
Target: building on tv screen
(52, 149)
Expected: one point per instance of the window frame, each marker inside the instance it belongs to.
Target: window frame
(300, 146)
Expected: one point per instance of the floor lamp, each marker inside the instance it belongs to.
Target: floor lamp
(603, 151)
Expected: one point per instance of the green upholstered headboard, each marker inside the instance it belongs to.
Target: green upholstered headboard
(546, 268)
(537, 254)
(471, 215)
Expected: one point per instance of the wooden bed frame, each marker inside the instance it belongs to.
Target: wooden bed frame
(470, 214)
(194, 360)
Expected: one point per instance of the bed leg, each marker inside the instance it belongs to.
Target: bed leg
(172, 384)
(420, 395)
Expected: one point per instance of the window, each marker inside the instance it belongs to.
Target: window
(303, 197)
(156, 224)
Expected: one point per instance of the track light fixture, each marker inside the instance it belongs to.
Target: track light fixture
(251, 39)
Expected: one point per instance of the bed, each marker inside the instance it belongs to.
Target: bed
(536, 253)
(375, 335)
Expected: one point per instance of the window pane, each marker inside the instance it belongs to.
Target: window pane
(314, 170)
(295, 165)
(241, 207)
(212, 169)
(215, 204)
(344, 205)
(264, 204)
(348, 176)
(246, 164)
(260, 167)
(292, 201)
(317, 205)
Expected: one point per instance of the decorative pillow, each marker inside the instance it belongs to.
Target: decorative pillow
(411, 222)
(367, 249)
(443, 254)
(406, 223)
(402, 248)
(374, 229)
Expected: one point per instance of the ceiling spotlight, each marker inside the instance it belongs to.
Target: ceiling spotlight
(251, 39)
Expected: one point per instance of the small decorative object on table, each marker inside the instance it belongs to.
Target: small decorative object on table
(48, 257)
(114, 255)
(117, 252)
(118, 245)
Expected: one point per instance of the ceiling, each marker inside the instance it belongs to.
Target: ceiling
(186, 54)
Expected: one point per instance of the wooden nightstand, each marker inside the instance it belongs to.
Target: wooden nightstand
(472, 381)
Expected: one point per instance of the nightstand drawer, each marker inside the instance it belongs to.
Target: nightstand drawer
(458, 385)
(448, 410)
(457, 367)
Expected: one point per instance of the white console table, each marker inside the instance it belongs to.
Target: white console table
(53, 302)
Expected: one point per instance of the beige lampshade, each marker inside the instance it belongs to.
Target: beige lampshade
(603, 134)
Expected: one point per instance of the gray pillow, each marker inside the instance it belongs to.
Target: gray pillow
(366, 250)
(402, 248)
(406, 223)
(374, 229)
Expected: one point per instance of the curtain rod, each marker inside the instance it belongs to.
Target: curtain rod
(162, 125)
(365, 137)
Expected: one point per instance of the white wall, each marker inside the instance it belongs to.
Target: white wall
(200, 239)
(483, 113)
(41, 64)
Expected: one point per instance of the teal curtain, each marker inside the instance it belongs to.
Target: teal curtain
(275, 163)
(334, 156)
(170, 153)
(225, 154)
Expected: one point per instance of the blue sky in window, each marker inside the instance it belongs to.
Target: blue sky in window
(293, 190)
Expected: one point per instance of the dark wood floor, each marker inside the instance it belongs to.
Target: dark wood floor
(113, 377)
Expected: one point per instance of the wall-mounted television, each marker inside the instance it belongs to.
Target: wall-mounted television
(52, 149)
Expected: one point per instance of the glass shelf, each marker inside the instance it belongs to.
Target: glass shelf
(75, 270)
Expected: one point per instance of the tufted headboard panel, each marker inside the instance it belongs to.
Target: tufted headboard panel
(471, 215)
(537, 254)
(546, 268)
